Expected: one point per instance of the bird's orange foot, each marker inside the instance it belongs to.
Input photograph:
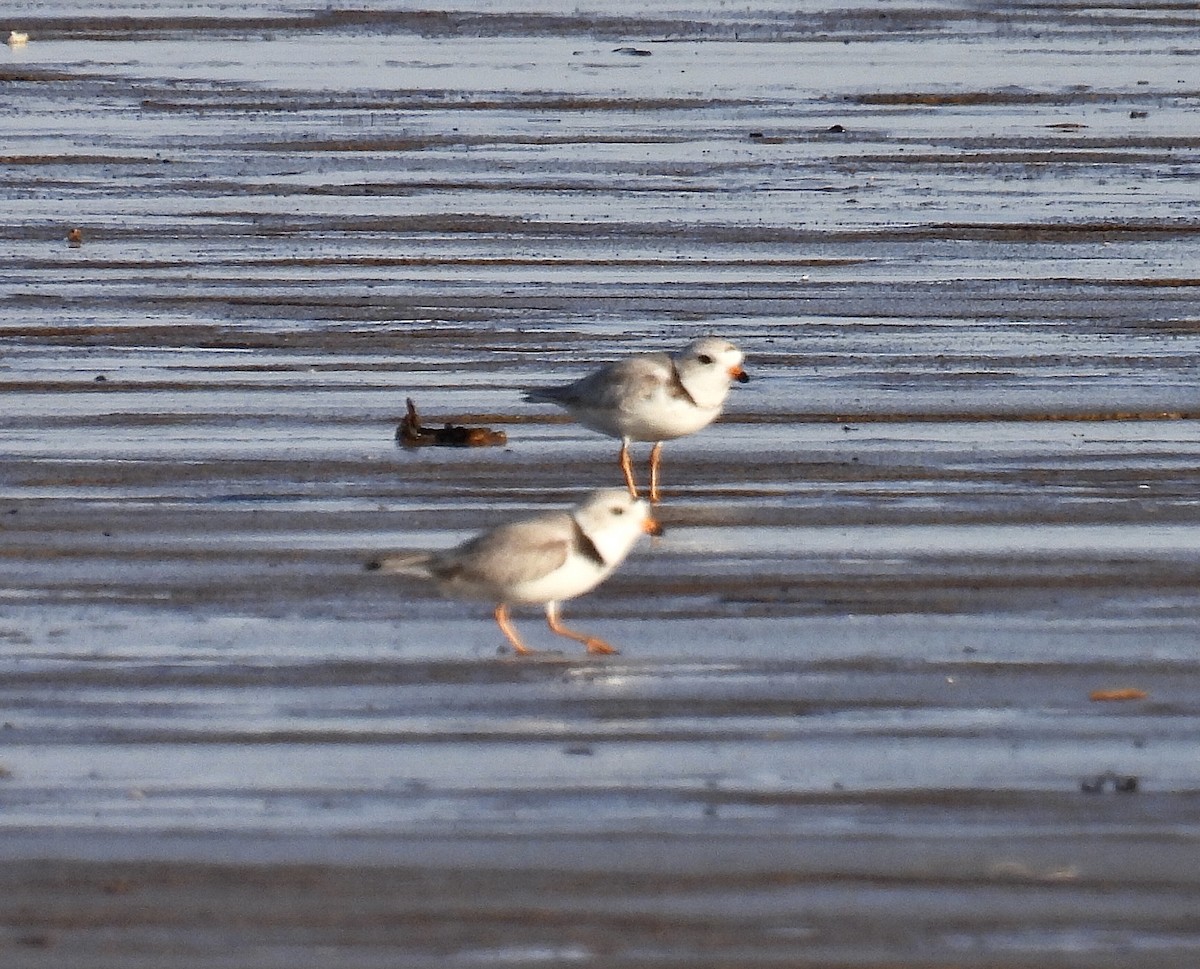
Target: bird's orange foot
(600, 646)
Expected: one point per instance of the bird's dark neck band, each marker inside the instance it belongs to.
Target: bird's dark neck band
(587, 548)
(677, 387)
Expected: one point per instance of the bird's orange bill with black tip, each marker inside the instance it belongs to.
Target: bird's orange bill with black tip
(740, 375)
(651, 527)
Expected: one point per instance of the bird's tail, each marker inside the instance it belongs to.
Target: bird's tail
(542, 395)
(405, 563)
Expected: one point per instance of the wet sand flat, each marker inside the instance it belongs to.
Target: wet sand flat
(853, 722)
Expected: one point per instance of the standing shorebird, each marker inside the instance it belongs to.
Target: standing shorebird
(541, 560)
(652, 397)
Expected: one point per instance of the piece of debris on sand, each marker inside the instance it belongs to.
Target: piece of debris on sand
(410, 433)
(1111, 696)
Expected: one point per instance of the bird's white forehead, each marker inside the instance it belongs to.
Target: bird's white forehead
(711, 344)
(609, 500)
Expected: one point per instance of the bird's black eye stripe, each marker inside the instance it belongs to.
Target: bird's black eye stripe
(705, 359)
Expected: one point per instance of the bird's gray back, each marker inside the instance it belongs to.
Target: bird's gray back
(612, 387)
(508, 555)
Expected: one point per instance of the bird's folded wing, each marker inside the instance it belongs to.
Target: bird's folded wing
(626, 384)
(523, 551)
(615, 387)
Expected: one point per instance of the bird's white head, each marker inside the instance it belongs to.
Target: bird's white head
(613, 520)
(707, 367)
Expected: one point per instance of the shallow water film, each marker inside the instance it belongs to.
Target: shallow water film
(910, 680)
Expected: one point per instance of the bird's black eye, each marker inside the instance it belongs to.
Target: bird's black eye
(618, 510)
(705, 359)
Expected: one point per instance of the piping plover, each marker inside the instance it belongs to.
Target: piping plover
(652, 397)
(539, 560)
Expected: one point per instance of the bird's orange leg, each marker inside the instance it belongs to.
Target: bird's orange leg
(655, 460)
(510, 633)
(593, 644)
(627, 468)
